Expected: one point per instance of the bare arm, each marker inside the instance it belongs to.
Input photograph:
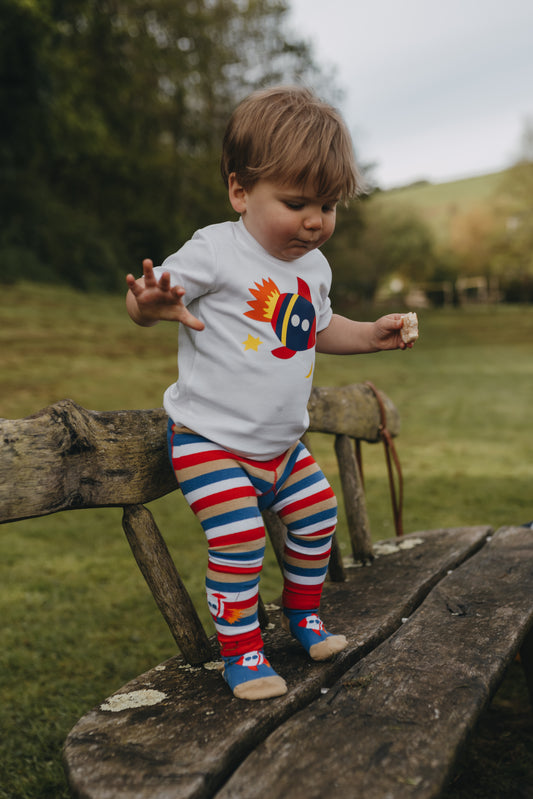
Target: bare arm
(348, 337)
(149, 300)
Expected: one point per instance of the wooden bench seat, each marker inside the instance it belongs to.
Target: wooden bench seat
(397, 704)
(394, 723)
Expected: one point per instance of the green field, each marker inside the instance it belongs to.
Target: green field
(78, 619)
(439, 203)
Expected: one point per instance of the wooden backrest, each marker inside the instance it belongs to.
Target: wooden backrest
(66, 457)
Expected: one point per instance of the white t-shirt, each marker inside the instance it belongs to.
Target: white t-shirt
(244, 381)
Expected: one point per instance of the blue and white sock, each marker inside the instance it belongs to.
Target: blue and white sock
(250, 676)
(309, 631)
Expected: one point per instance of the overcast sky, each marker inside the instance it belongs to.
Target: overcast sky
(433, 90)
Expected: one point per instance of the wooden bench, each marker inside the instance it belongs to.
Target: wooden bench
(432, 626)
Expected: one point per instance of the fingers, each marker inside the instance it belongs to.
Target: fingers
(148, 273)
(131, 281)
(187, 319)
(165, 302)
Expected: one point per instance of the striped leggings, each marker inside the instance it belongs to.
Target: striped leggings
(227, 493)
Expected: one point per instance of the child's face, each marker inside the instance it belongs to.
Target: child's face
(287, 222)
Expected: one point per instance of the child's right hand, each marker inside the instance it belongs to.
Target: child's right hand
(150, 300)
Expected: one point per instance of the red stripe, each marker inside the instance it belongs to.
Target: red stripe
(301, 597)
(197, 458)
(202, 456)
(244, 537)
(308, 502)
(269, 466)
(303, 463)
(231, 645)
(223, 496)
(224, 569)
(299, 556)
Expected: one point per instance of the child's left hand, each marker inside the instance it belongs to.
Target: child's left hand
(387, 333)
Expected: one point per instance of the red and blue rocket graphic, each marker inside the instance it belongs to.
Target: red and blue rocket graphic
(313, 624)
(252, 660)
(292, 316)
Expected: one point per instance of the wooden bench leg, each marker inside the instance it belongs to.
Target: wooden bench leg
(159, 571)
(354, 500)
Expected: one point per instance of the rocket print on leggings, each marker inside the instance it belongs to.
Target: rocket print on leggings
(292, 316)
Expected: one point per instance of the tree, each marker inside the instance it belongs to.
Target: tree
(115, 112)
(386, 240)
(512, 254)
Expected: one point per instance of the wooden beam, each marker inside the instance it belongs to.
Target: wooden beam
(66, 457)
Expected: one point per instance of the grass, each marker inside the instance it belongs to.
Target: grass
(78, 619)
(438, 203)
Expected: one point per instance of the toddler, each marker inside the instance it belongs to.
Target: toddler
(252, 298)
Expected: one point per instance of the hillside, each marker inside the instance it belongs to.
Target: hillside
(438, 203)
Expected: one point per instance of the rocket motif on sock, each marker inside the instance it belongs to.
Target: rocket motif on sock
(313, 624)
(252, 660)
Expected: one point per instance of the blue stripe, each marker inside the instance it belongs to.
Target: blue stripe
(225, 587)
(240, 514)
(300, 570)
(329, 516)
(306, 482)
(210, 478)
(237, 556)
(308, 543)
(291, 463)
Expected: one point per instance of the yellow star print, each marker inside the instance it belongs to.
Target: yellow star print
(252, 343)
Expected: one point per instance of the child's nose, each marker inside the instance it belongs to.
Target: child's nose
(313, 221)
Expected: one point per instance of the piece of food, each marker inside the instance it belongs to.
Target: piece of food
(409, 330)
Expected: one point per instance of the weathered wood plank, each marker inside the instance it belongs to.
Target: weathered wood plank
(187, 745)
(66, 457)
(393, 725)
(352, 411)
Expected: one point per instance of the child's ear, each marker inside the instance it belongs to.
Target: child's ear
(237, 194)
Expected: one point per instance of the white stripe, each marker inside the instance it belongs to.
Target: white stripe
(233, 596)
(304, 493)
(215, 488)
(301, 580)
(303, 550)
(245, 564)
(230, 629)
(325, 524)
(194, 448)
(233, 527)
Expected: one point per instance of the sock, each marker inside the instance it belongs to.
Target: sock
(251, 676)
(309, 631)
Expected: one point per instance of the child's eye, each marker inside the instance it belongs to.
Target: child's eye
(294, 206)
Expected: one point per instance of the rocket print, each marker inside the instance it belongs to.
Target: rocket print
(253, 660)
(312, 623)
(292, 316)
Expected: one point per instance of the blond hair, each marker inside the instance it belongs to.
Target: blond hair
(286, 134)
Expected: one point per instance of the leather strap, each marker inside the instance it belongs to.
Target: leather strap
(391, 457)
